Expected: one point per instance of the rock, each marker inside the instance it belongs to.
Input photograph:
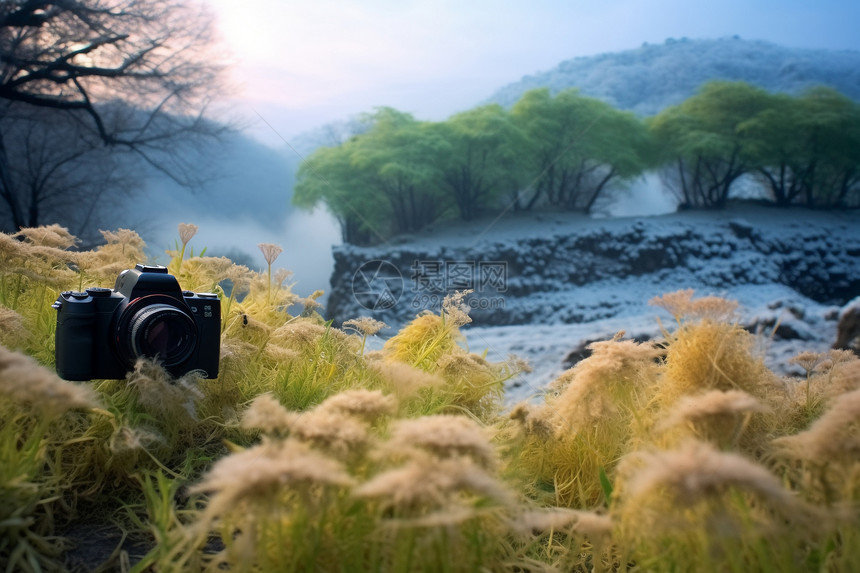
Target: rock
(848, 327)
(552, 273)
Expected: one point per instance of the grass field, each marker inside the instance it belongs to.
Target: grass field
(311, 453)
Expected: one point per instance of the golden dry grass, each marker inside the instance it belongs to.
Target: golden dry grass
(308, 453)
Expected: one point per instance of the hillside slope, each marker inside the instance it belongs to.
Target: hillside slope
(652, 77)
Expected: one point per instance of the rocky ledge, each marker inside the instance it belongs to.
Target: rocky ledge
(567, 269)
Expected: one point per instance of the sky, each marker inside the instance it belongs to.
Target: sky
(297, 65)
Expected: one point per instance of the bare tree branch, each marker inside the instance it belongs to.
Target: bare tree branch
(138, 74)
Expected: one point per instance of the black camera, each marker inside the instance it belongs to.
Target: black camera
(101, 332)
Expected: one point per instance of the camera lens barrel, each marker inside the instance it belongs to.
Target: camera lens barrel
(163, 331)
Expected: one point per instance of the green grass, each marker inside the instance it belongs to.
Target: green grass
(310, 453)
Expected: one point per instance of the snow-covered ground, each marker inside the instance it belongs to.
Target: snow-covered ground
(573, 279)
(546, 346)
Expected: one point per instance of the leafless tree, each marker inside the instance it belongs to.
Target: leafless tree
(131, 75)
(70, 178)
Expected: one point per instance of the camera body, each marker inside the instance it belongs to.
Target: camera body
(101, 332)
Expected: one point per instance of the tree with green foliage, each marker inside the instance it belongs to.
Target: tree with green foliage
(329, 177)
(378, 183)
(396, 158)
(703, 136)
(577, 147)
(482, 159)
(775, 142)
(831, 141)
(807, 149)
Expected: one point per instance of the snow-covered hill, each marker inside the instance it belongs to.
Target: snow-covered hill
(546, 284)
(655, 76)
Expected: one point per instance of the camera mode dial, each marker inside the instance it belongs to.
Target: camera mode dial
(151, 268)
(98, 291)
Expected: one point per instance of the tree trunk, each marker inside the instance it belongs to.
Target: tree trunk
(7, 191)
(599, 189)
(777, 186)
(531, 202)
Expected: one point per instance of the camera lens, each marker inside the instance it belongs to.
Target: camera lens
(164, 331)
